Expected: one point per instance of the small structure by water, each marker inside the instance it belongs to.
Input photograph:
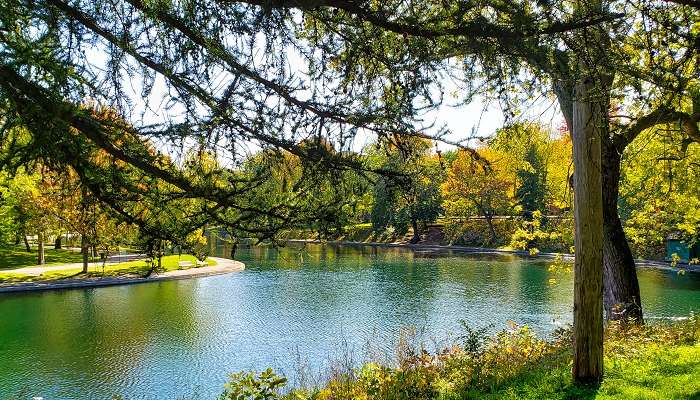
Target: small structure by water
(676, 244)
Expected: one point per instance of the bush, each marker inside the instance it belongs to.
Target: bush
(475, 232)
(250, 386)
(539, 234)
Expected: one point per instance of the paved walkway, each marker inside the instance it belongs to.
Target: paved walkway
(223, 266)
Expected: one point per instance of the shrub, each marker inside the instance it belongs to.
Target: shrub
(544, 234)
(475, 232)
(251, 386)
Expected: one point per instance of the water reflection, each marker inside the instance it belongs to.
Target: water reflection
(181, 338)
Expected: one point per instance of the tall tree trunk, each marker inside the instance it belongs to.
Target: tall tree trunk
(41, 260)
(57, 244)
(84, 248)
(26, 244)
(621, 287)
(492, 229)
(588, 118)
(416, 232)
(234, 244)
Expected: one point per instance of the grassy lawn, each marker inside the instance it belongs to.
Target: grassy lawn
(138, 268)
(655, 371)
(16, 257)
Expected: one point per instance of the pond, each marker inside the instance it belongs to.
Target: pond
(293, 309)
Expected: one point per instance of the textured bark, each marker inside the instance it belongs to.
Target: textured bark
(41, 260)
(587, 120)
(492, 229)
(621, 287)
(26, 244)
(57, 244)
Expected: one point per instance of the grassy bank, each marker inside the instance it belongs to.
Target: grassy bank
(17, 257)
(653, 362)
(135, 268)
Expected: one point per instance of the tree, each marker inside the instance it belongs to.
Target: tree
(658, 191)
(412, 195)
(484, 187)
(28, 201)
(582, 68)
(531, 192)
(527, 153)
(11, 228)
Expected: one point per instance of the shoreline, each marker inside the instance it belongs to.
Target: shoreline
(223, 266)
(438, 248)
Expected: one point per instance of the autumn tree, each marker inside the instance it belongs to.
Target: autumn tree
(473, 185)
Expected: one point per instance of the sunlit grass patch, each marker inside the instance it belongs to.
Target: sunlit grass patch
(96, 270)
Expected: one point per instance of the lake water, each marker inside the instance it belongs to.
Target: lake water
(294, 306)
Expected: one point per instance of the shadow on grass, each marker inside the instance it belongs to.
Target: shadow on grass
(12, 257)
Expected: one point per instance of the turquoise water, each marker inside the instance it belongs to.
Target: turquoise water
(290, 308)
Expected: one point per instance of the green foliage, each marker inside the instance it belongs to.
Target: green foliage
(473, 339)
(303, 195)
(538, 233)
(411, 194)
(253, 386)
(659, 194)
(531, 190)
(381, 214)
(525, 153)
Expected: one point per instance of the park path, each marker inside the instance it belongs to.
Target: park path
(37, 270)
(223, 266)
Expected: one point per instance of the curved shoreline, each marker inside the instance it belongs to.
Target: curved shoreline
(223, 266)
(442, 249)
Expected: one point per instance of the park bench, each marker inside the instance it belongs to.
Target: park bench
(201, 264)
(184, 264)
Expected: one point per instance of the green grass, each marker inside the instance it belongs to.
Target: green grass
(136, 268)
(655, 372)
(656, 361)
(16, 257)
